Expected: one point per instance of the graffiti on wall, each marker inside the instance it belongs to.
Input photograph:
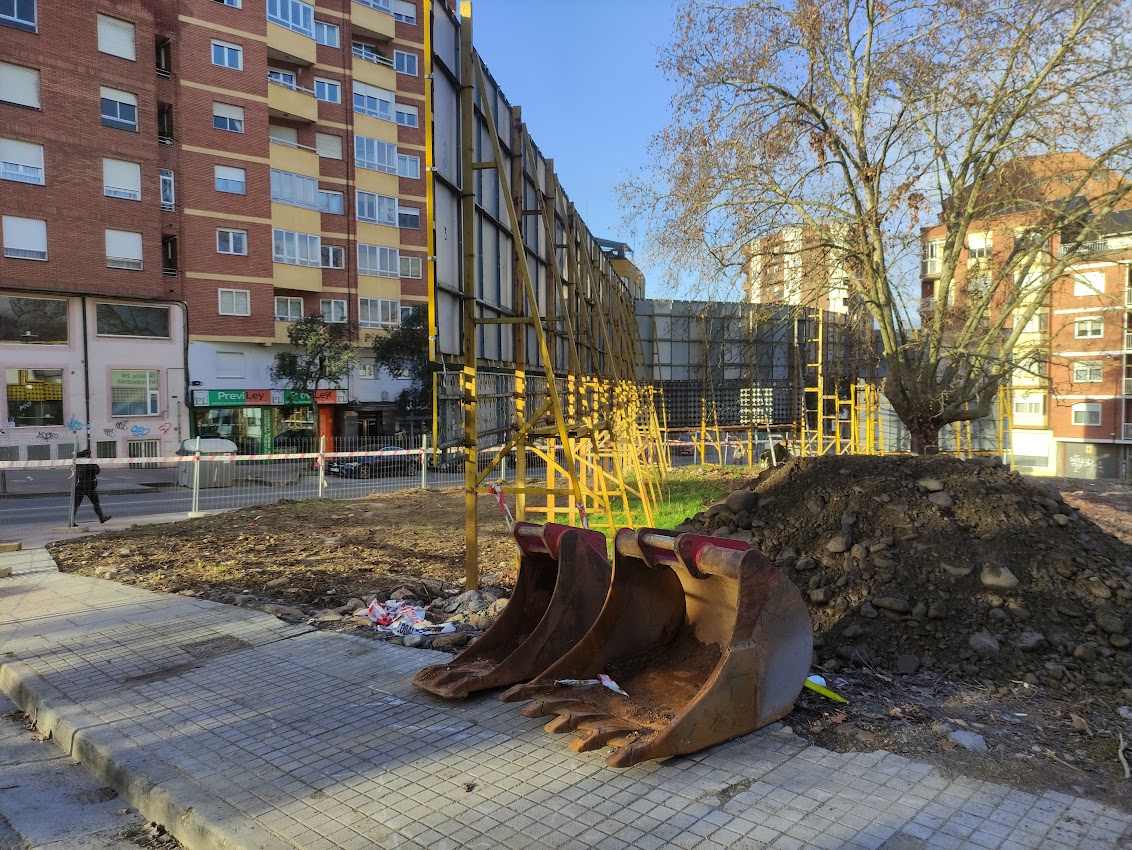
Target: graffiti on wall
(75, 424)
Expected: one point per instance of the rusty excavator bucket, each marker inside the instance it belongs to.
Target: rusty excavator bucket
(563, 580)
(707, 639)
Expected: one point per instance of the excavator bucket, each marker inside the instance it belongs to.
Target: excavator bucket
(564, 577)
(706, 638)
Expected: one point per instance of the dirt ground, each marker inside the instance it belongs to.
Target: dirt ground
(1050, 715)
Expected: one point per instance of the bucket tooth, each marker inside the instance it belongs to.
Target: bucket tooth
(564, 577)
(708, 639)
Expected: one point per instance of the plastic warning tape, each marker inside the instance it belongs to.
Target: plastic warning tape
(66, 463)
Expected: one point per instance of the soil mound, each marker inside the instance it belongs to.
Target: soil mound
(932, 563)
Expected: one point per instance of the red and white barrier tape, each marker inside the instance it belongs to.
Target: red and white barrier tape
(127, 461)
(498, 492)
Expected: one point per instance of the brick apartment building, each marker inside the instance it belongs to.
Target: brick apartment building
(794, 266)
(1072, 382)
(183, 180)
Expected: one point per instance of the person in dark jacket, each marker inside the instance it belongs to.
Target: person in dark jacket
(86, 484)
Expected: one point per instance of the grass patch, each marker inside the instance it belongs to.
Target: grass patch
(684, 494)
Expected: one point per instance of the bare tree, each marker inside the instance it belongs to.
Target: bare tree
(859, 121)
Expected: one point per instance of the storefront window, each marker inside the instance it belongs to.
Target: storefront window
(134, 393)
(41, 321)
(35, 397)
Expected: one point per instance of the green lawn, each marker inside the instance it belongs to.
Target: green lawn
(683, 494)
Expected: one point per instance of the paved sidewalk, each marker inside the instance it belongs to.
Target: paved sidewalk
(236, 730)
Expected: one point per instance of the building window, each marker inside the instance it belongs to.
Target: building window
(231, 180)
(333, 310)
(1088, 283)
(18, 13)
(134, 392)
(366, 371)
(1089, 328)
(330, 202)
(235, 4)
(405, 11)
(376, 209)
(123, 250)
(381, 5)
(114, 37)
(1087, 371)
(294, 189)
(39, 320)
(1086, 414)
(24, 238)
(328, 145)
(21, 162)
(229, 364)
(235, 302)
(326, 34)
(130, 320)
(409, 166)
(119, 109)
(121, 179)
(409, 217)
(406, 115)
(378, 261)
(370, 100)
(288, 136)
(288, 309)
(378, 313)
(375, 155)
(933, 255)
(978, 246)
(168, 190)
(329, 91)
(411, 267)
(297, 249)
(230, 241)
(228, 117)
(333, 257)
(292, 14)
(35, 397)
(1029, 404)
(18, 84)
(283, 78)
(226, 54)
(405, 63)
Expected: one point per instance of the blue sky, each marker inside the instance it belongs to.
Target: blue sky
(585, 76)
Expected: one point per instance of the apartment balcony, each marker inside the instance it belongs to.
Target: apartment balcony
(927, 305)
(289, 101)
(1128, 297)
(1128, 340)
(298, 159)
(305, 278)
(1093, 246)
(374, 70)
(373, 18)
(1128, 386)
(281, 331)
(290, 46)
(299, 219)
(1128, 430)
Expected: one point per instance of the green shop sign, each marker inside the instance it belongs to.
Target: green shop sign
(260, 398)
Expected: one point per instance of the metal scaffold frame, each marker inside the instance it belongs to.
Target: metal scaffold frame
(569, 395)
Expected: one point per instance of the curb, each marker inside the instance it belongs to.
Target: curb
(102, 491)
(161, 792)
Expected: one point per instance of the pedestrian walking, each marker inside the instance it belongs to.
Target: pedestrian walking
(86, 484)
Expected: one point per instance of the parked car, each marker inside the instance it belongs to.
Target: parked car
(686, 446)
(383, 463)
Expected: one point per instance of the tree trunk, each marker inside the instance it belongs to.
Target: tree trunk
(925, 436)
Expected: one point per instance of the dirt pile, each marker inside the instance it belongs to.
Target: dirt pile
(931, 563)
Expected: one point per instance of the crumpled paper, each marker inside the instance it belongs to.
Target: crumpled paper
(601, 679)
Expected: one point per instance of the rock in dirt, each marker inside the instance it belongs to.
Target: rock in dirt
(932, 485)
(892, 603)
(983, 643)
(1109, 622)
(451, 640)
(284, 611)
(969, 740)
(1029, 640)
(997, 577)
(941, 500)
(839, 543)
(907, 664)
(741, 500)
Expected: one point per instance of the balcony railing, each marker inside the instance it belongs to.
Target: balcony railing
(276, 81)
(164, 72)
(1128, 340)
(1128, 430)
(927, 305)
(169, 272)
(371, 56)
(164, 140)
(1128, 387)
(1128, 296)
(1094, 246)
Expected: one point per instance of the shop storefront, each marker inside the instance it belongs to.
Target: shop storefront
(264, 421)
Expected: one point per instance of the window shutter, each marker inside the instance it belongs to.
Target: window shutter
(19, 84)
(123, 245)
(28, 234)
(328, 145)
(120, 96)
(116, 37)
(224, 110)
(21, 153)
(226, 172)
(373, 91)
(121, 175)
(286, 135)
(405, 9)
